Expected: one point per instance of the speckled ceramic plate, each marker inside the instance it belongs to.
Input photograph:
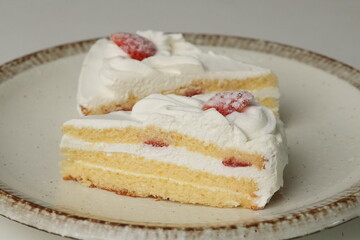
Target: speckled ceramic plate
(320, 106)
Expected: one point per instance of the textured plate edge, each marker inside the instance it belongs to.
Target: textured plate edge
(342, 207)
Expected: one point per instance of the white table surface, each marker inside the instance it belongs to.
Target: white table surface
(329, 27)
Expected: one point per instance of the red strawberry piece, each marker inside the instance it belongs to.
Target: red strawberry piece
(233, 162)
(156, 143)
(136, 46)
(228, 102)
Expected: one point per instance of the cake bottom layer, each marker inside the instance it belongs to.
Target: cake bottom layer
(147, 185)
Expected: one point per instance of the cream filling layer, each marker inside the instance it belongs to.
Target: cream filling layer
(179, 156)
(269, 179)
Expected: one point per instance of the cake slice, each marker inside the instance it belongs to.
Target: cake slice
(119, 71)
(222, 150)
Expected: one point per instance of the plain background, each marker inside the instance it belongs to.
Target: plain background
(328, 27)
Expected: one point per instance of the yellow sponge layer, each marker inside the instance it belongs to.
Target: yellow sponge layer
(216, 85)
(271, 103)
(135, 176)
(141, 165)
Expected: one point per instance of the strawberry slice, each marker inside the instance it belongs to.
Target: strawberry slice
(156, 143)
(233, 162)
(228, 102)
(136, 46)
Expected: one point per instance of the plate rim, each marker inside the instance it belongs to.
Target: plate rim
(345, 204)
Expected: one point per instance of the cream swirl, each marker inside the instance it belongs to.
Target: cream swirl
(255, 121)
(174, 64)
(182, 113)
(174, 56)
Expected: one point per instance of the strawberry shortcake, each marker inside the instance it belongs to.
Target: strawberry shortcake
(120, 70)
(217, 149)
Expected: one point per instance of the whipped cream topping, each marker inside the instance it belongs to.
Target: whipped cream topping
(178, 112)
(109, 74)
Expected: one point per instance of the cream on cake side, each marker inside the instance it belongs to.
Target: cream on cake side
(110, 80)
(256, 132)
